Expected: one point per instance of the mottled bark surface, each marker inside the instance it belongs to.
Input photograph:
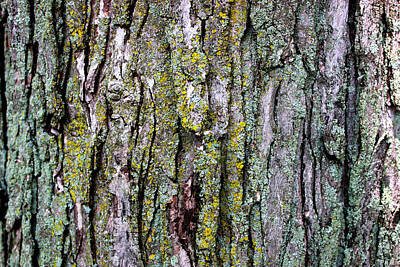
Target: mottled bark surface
(200, 133)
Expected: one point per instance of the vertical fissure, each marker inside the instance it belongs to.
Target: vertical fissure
(139, 108)
(304, 141)
(99, 71)
(58, 14)
(351, 123)
(140, 200)
(95, 168)
(304, 219)
(65, 234)
(144, 20)
(387, 33)
(60, 152)
(179, 150)
(142, 181)
(32, 47)
(86, 57)
(381, 152)
(155, 208)
(224, 227)
(247, 35)
(130, 10)
(4, 197)
(34, 205)
(251, 246)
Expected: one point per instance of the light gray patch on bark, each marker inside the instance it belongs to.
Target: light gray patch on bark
(124, 252)
(189, 31)
(219, 97)
(267, 106)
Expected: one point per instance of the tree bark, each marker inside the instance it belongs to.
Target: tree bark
(200, 133)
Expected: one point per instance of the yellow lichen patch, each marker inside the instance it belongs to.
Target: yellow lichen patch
(206, 161)
(195, 57)
(77, 159)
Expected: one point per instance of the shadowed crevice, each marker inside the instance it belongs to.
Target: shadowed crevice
(352, 131)
(96, 161)
(4, 197)
(144, 20)
(142, 182)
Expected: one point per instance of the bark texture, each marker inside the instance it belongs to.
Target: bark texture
(200, 133)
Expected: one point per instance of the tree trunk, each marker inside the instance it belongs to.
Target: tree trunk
(200, 133)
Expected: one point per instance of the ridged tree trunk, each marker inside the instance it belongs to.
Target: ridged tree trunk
(200, 133)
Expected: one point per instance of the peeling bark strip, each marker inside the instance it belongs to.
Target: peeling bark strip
(199, 133)
(183, 219)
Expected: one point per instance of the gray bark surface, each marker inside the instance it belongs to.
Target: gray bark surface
(199, 133)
